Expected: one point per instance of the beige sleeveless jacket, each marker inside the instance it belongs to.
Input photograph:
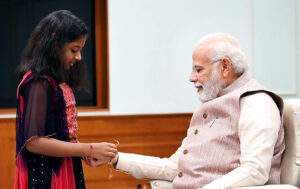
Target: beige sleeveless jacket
(212, 146)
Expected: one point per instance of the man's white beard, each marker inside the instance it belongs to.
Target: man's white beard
(211, 88)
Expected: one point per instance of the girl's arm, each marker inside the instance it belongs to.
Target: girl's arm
(57, 148)
(35, 122)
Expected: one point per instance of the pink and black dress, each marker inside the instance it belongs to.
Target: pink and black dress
(46, 109)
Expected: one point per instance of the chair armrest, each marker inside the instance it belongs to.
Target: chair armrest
(156, 184)
(144, 186)
(162, 184)
(275, 186)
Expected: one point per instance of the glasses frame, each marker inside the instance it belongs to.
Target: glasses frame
(203, 65)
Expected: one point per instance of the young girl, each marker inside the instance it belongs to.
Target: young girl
(48, 152)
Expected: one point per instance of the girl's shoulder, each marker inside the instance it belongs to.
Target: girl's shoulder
(30, 82)
(41, 84)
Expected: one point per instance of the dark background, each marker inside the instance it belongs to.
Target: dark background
(18, 18)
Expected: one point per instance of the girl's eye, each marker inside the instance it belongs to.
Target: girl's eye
(73, 51)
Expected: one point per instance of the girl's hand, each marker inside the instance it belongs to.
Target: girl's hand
(93, 162)
(104, 152)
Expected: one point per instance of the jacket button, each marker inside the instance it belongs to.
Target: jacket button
(185, 151)
(204, 115)
(196, 131)
(180, 174)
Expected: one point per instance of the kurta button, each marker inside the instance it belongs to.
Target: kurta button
(180, 174)
(185, 151)
(204, 115)
(196, 131)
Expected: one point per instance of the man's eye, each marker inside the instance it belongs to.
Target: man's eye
(198, 70)
(73, 51)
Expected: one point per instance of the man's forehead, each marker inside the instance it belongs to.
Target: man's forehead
(200, 55)
(197, 65)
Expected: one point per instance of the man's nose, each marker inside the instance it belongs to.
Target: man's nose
(193, 77)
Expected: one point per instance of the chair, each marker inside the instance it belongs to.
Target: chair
(290, 167)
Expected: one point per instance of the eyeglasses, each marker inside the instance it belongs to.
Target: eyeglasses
(197, 67)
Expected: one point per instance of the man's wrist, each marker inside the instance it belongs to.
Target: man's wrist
(115, 161)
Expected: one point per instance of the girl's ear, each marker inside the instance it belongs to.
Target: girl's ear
(58, 50)
(56, 47)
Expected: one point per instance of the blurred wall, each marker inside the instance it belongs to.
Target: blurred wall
(151, 44)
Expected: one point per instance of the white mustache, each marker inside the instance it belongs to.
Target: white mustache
(197, 84)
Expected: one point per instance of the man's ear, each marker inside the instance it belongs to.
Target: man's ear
(225, 66)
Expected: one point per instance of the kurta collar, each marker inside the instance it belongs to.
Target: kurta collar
(241, 81)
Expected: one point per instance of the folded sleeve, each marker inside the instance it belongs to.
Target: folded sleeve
(149, 167)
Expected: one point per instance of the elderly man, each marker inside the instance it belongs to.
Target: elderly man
(235, 137)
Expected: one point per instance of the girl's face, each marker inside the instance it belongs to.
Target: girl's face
(71, 52)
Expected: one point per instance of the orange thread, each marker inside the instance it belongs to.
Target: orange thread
(110, 165)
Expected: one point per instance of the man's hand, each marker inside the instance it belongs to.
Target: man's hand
(115, 160)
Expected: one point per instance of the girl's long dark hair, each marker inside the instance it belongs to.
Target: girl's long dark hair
(48, 38)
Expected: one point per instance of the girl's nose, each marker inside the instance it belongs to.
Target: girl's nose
(78, 56)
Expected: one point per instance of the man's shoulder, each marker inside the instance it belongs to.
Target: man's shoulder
(260, 98)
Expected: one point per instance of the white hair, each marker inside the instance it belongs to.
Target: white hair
(226, 46)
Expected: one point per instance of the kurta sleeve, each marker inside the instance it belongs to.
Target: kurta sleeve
(35, 109)
(150, 167)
